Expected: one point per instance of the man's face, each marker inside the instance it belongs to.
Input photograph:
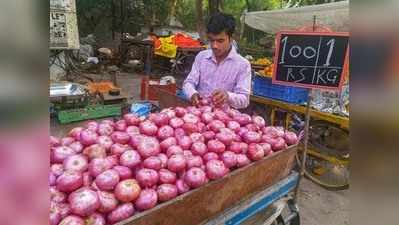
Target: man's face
(220, 43)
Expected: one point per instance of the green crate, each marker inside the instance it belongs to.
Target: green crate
(89, 112)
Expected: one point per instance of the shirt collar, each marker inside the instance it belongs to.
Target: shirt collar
(231, 54)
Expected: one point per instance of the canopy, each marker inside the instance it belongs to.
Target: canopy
(332, 15)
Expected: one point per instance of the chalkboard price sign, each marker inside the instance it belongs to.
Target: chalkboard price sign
(311, 60)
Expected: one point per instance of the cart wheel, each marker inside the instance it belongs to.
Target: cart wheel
(333, 176)
(294, 221)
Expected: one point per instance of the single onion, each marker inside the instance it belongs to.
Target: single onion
(185, 142)
(66, 141)
(130, 158)
(197, 137)
(290, 138)
(152, 162)
(122, 212)
(69, 181)
(190, 128)
(229, 159)
(164, 132)
(216, 125)
(78, 163)
(56, 195)
(149, 146)
(279, 144)
(57, 169)
(105, 129)
(207, 117)
(176, 122)
(252, 137)
(255, 152)
(179, 132)
(194, 161)
(173, 150)
(135, 140)
(107, 180)
(166, 176)
(181, 186)
(258, 121)
(233, 125)
(60, 153)
(190, 118)
(148, 128)
(120, 137)
(131, 119)
(95, 151)
(215, 169)
(147, 177)
(120, 125)
(164, 159)
(88, 137)
(147, 199)
(127, 190)
(216, 146)
(195, 177)
(92, 125)
(119, 149)
(76, 146)
(176, 163)
(124, 172)
(132, 131)
(242, 160)
(75, 133)
(54, 141)
(225, 137)
(180, 111)
(99, 165)
(84, 202)
(72, 220)
(208, 135)
(160, 119)
(95, 219)
(108, 201)
(209, 156)
(266, 147)
(165, 144)
(198, 148)
(166, 192)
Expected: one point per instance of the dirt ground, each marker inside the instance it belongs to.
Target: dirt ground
(317, 205)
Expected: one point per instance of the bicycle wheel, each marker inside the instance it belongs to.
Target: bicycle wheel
(332, 176)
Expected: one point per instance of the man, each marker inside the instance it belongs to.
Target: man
(220, 72)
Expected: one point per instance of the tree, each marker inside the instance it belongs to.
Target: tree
(200, 19)
(214, 6)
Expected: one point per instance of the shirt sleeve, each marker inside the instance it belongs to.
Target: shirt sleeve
(191, 82)
(239, 97)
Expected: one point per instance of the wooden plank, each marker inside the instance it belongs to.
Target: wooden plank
(207, 201)
(339, 120)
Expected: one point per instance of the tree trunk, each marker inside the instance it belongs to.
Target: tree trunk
(172, 16)
(213, 6)
(200, 19)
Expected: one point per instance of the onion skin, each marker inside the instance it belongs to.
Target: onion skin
(122, 212)
(127, 190)
(166, 192)
(95, 219)
(182, 187)
(72, 220)
(69, 181)
(84, 202)
(107, 180)
(167, 177)
(195, 177)
(215, 169)
(124, 172)
(130, 158)
(108, 201)
(147, 177)
(148, 199)
(177, 163)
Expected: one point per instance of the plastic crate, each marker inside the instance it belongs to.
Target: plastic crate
(89, 112)
(262, 86)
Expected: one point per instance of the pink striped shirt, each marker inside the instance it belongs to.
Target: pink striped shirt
(233, 75)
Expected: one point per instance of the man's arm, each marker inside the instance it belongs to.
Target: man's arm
(191, 82)
(239, 97)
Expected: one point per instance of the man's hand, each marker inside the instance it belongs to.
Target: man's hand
(219, 97)
(195, 99)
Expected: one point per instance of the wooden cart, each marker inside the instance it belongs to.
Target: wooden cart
(229, 200)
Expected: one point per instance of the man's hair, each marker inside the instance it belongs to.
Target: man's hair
(220, 22)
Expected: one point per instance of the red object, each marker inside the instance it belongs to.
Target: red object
(148, 92)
